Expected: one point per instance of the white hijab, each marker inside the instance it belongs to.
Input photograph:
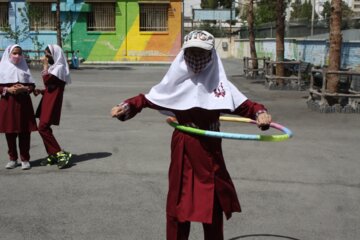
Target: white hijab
(11, 73)
(60, 68)
(181, 89)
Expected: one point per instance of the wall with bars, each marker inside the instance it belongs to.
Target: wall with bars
(126, 43)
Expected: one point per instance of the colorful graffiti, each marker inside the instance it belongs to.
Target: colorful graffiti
(126, 43)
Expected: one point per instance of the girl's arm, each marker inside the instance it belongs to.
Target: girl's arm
(249, 109)
(30, 87)
(255, 111)
(49, 78)
(132, 106)
(52, 82)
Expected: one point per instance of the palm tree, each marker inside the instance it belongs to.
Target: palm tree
(280, 33)
(250, 20)
(335, 46)
(58, 23)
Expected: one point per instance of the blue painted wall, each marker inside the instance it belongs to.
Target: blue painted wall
(313, 51)
(46, 37)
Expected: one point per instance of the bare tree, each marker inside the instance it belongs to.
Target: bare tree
(58, 23)
(250, 20)
(280, 34)
(335, 45)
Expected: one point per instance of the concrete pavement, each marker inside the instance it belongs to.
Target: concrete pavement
(305, 188)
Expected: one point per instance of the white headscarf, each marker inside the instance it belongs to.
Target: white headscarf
(60, 68)
(181, 89)
(11, 73)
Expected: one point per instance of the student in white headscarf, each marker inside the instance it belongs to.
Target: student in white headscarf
(196, 90)
(17, 119)
(55, 75)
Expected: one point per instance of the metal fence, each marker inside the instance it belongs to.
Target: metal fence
(47, 18)
(154, 17)
(300, 28)
(102, 18)
(4, 14)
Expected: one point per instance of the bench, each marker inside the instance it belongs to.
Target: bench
(348, 94)
(249, 71)
(296, 75)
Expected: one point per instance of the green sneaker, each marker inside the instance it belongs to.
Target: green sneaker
(50, 160)
(63, 159)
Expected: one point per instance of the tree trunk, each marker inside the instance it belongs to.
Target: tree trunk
(58, 23)
(280, 33)
(335, 46)
(250, 20)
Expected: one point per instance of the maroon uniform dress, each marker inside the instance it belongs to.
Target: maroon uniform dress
(17, 119)
(199, 182)
(49, 111)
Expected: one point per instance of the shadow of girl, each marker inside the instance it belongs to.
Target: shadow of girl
(78, 158)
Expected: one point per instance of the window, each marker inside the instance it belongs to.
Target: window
(4, 15)
(154, 17)
(41, 17)
(102, 17)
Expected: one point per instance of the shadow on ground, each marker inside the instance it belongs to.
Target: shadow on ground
(264, 237)
(110, 67)
(78, 158)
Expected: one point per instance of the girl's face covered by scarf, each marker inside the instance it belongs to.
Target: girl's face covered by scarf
(16, 55)
(49, 56)
(197, 58)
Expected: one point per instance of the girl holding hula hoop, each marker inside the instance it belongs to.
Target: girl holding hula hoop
(196, 91)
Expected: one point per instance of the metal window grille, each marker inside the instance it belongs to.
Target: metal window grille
(154, 17)
(102, 17)
(41, 17)
(4, 15)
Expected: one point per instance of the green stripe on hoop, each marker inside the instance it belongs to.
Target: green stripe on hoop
(188, 129)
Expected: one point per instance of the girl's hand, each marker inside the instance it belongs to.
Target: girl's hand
(117, 111)
(11, 90)
(17, 88)
(263, 121)
(45, 62)
(37, 92)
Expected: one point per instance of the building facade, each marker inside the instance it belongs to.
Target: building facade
(100, 30)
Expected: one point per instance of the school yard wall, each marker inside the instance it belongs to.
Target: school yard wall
(308, 50)
(126, 43)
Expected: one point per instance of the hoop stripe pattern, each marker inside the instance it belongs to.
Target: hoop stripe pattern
(287, 133)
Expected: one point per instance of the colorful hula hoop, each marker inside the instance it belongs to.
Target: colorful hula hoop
(238, 136)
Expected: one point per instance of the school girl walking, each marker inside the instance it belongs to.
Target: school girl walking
(55, 75)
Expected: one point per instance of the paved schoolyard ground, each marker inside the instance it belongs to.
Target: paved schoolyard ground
(305, 188)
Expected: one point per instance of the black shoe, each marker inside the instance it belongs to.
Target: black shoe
(50, 160)
(63, 159)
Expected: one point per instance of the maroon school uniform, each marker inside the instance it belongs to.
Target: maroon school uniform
(196, 90)
(49, 111)
(55, 76)
(17, 119)
(198, 177)
(16, 112)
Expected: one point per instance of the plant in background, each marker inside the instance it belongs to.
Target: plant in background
(346, 13)
(17, 34)
(302, 10)
(32, 17)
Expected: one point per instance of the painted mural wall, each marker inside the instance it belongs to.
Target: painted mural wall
(126, 43)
